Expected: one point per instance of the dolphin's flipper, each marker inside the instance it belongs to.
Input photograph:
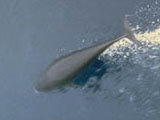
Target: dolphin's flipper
(129, 33)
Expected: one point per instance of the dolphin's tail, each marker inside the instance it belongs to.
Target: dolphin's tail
(129, 33)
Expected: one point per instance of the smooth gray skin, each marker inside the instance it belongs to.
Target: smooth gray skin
(67, 67)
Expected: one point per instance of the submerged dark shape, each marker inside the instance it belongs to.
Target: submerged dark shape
(66, 68)
(96, 69)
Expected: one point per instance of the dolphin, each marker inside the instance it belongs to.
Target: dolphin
(64, 69)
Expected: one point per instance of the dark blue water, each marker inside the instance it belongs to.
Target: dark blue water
(34, 32)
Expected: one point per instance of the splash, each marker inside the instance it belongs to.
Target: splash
(148, 38)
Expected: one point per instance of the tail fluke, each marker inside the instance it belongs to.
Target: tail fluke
(129, 33)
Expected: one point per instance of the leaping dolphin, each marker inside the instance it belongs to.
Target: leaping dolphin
(64, 69)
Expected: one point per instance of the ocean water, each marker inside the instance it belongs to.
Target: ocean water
(122, 84)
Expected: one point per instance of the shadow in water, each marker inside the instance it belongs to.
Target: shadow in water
(91, 77)
(96, 69)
